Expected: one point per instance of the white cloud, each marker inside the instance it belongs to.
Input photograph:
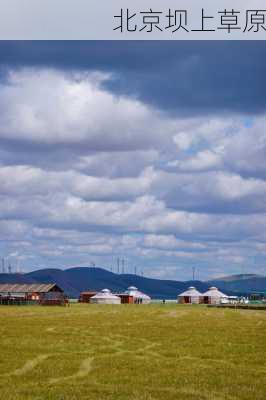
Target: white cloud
(85, 172)
(50, 107)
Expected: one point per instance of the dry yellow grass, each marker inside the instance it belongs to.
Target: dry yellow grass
(132, 352)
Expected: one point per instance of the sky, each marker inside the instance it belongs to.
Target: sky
(154, 152)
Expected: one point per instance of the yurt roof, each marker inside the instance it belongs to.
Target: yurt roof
(104, 294)
(133, 291)
(214, 292)
(190, 292)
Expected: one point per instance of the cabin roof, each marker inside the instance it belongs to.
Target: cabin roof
(28, 288)
(88, 292)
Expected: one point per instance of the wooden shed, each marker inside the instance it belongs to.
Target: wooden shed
(41, 293)
(85, 297)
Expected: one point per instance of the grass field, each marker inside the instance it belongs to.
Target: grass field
(132, 352)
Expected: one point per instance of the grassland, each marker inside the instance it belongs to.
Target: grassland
(132, 353)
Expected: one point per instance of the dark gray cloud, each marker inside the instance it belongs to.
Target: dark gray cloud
(180, 77)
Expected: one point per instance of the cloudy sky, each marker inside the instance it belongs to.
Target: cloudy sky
(150, 151)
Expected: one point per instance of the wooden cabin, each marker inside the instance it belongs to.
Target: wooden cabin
(40, 293)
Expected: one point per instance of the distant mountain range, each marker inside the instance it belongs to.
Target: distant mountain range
(245, 283)
(74, 280)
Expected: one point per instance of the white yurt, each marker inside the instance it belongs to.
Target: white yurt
(190, 296)
(139, 297)
(105, 297)
(214, 296)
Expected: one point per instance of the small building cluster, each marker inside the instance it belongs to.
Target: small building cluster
(193, 296)
(52, 294)
(130, 296)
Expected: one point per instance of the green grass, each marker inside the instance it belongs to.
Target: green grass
(132, 352)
